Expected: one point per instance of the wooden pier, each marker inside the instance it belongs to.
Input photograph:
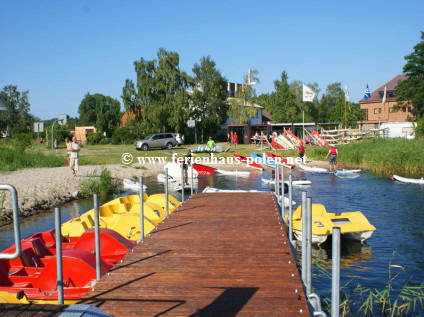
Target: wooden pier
(218, 254)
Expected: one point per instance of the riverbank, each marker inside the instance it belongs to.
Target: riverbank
(43, 188)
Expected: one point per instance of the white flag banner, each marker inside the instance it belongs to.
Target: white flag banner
(384, 96)
(346, 92)
(308, 93)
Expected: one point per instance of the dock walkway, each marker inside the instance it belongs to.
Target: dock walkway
(218, 254)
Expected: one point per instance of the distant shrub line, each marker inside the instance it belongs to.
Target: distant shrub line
(380, 156)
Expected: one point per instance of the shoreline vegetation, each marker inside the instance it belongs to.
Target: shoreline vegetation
(383, 157)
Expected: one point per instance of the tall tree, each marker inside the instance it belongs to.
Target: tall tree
(282, 104)
(101, 111)
(159, 99)
(209, 99)
(412, 89)
(242, 106)
(331, 108)
(16, 119)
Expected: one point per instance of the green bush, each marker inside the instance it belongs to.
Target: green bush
(419, 131)
(127, 134)
(94, 138)
(102, 183)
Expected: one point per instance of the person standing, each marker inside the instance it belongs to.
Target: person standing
(68, 149)
(235, 139)
(301, 151)
(333, 157)
(187, 161)
(229, 138)
(211, 146)
(257, 138)
(74, 157)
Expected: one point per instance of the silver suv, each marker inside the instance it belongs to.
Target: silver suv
(157, 140)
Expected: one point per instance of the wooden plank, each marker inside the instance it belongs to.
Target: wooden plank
(218, 254)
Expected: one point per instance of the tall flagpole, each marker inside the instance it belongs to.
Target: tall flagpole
(345, 118)
(303, 112)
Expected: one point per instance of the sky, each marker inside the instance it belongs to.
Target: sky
(61, 50)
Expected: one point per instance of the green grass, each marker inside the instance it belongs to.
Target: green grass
(12, 159)
(381, 156)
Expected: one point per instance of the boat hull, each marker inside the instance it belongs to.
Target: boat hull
(408, 180)
(320, 239)
(203, 170)
(244, 160)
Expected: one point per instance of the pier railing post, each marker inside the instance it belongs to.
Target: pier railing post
(182, 182)
(166, 193)
(16, 227)
(141, 210)
(309, 246)
(192, 180)
(335, 280)
(97, 236)
(291, 209)
(59, 271)
(276, 183)
(283, 196)
(304, 221)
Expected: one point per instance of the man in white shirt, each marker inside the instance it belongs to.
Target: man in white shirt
(73, 159)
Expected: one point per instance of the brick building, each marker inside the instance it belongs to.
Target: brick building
(377, 114)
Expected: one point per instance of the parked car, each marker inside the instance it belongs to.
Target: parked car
(157, 140)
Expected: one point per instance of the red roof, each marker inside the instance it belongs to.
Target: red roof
(377, 95)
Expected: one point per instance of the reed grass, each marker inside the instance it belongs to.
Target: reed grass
(380, 156)
(100, 182)
(12, 159)
(406, 299)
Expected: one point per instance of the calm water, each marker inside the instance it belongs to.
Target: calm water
(395, 209)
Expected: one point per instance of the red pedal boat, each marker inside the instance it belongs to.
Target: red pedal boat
(203, 170)
(283, 160)
(244, 160)
(34, 272)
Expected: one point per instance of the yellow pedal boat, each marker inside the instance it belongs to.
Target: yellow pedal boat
(123, 216)
(353, 225)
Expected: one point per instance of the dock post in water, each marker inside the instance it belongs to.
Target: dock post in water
(59, 271)
(192, 181)
(291, 209)
(182, 183)
(141, 210)
(166, 193)
(97, 236)
(335, 273)
(283, 196)
(303, 216)
(276, 183)
(308, 238)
